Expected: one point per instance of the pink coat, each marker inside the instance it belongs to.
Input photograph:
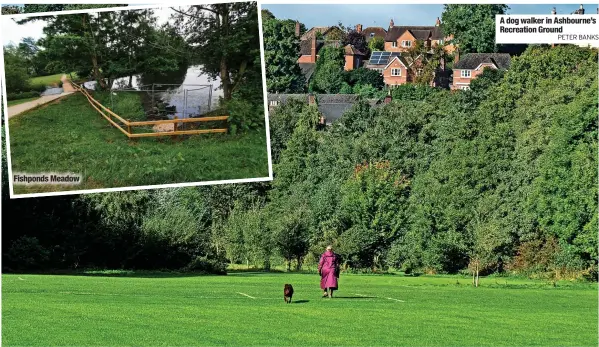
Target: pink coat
(328, 267)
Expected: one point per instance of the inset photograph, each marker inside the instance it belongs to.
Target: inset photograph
(133, 96)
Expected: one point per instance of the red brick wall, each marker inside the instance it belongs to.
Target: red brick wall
(396, 80)
(458, 80)
(406, 36)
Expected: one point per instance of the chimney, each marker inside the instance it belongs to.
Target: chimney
(313, 50)
(297, 29)
(553, 11)
(359, 28)
(311, 100)
(391, 23)
(388, 98)
(438, 23)
(581, 9)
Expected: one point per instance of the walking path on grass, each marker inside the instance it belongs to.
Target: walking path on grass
(20, 108)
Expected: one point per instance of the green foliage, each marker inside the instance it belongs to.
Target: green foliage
(414, 92)
(281, 50)
(328, 74)
(362, 76)
(23, 95)
(26, 253)
(17, 77)
(472, 26)
(376, 44)
(225, 39)
(358, 40)
(244, 115)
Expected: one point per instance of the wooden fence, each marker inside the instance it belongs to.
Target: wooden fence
(127, 125)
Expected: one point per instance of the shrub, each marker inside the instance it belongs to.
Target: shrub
(208, 266)
(23, 95)
(244, 115)
(27, 253)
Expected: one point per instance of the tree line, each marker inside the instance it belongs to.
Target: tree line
(501, 178)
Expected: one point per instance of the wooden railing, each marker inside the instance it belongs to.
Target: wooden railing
(126, 127)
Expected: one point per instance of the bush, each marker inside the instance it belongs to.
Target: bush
(244, 115)
(27, 253)
(208, 266)
(23, 95)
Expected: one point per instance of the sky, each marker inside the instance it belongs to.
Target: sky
(379, 15)
(14, 33)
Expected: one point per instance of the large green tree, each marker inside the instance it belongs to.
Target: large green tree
(226, 40)
(472, 26)
(281, 51)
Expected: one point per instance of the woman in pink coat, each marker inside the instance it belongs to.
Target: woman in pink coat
(328, 269)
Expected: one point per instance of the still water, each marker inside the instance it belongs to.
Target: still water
(187, 92)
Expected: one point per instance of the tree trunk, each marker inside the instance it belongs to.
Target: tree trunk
(130, 81)
(299, 263)
(476, 275)
(288, 265)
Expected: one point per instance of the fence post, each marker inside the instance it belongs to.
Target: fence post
(129, 127)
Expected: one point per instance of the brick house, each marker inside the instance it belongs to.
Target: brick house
(309, 50)
(402, 38)
(395, 68)
(473, 64)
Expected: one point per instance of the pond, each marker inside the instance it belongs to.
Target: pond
(184, 93)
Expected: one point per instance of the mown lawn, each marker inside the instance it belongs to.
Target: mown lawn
(70, 136)
(20, 101)
(247, 309)
(51, 80)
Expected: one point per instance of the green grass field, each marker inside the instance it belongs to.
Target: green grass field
(20, 101)
(51, 80)
(70, 136)
(248, 309)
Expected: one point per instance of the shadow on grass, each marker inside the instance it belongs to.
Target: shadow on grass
(353, 297)
(300, 301)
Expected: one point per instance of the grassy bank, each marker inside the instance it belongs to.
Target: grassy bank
(248, 309)
(70, 136)
(50, 81)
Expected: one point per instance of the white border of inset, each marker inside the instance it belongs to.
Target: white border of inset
(6, 140)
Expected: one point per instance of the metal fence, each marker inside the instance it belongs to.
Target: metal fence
(167, 101)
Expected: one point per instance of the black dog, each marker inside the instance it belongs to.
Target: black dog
(288, 293)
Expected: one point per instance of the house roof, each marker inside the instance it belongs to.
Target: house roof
(323, 30)
(380, 59)
(472, 61)
(306, 45)
(332, 106)
(283, 98)
(377, 31)
(419, 32)
(307, 70)
(352, 50)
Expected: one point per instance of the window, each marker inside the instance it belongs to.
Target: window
(466, 73)
(395, 72)
(394, 44)
(465, 87)
(406, 43)
(371, 34)
(274, 103)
